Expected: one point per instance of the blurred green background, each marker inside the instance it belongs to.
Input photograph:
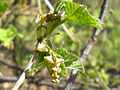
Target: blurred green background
(18, 39)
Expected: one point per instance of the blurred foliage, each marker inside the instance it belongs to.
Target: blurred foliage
(4, 5)
(104, 57)
(7, 35)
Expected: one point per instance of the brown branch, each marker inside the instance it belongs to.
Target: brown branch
(6, 13)
(90, 44)
(42, 81)
(8, 78)
(9, 65)
(67, 31)
(7, 21)
(71, 80)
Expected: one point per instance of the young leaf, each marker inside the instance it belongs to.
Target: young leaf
(71, 60)
(79, 13)
(59, 6)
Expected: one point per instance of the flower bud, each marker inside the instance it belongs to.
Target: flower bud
(59, 61)
(42, 47)
(57, 80)
(53, 80)
(52, 75)
(58, 64)
(56, 69)
(48, 59)
(56, 76)
(59, 70)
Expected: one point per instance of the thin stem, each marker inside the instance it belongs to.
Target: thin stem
(22, 77)
(39, 6)
(49, 5)
(67, 31)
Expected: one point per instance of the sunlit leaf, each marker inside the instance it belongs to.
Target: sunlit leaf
(71, 60)
(79, 13)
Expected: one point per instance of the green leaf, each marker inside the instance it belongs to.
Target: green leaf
(71, 60)
(104, 76)
(63, 70)
(7, 35)
(79, 13)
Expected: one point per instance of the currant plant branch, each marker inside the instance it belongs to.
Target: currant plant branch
(22, 77)
(57, 61)
(39, 6)
(90, 44)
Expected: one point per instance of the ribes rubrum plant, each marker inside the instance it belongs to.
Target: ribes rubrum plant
(57, 61)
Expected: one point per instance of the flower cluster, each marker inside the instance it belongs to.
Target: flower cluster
(54, 66)
(53, 62)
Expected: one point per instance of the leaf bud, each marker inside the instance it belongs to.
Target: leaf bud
(42, 47)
